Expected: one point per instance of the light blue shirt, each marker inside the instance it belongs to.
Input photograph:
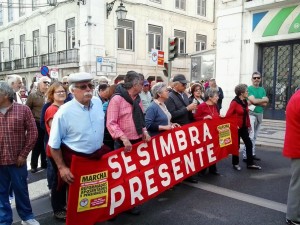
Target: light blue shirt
(79, 127)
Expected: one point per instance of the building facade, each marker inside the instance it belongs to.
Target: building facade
(264, 36)
(82, 35)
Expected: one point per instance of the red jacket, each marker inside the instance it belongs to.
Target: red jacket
(291, 148)
(237, 110)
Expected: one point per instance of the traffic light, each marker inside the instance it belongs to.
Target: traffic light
(165, 71)
(173, 48)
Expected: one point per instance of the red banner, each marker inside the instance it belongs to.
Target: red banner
(119, 181)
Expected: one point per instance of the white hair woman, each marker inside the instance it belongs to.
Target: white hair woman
(158, 118)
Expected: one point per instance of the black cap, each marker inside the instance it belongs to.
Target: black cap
(180, 78)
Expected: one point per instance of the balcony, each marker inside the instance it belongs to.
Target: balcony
(8, 66)
(50, 59)
(19, 64)
(253, 5)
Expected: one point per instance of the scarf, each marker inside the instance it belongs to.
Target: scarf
(244, 105)
(137, 113)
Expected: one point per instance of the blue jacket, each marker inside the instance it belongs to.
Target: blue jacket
(155, 117)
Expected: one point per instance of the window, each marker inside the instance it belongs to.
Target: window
(1, 15)
(22, 47)
(70, 24)
(201, 7)
(125, 34)
(201, 41)
(11, 49)
(51, 39)
(10, 10)
(180, 4)
(181, 35)
(1, 52)
(36, 42)
(21, 8)
(34, 4)
(154, 37)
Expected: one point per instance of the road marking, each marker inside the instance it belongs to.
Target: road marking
(240, 196)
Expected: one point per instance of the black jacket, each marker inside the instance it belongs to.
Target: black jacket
(177, 107)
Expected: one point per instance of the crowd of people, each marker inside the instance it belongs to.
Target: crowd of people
(111, 117)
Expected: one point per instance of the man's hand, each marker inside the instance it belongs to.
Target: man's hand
(192, 106)
(66, 175)
(127, 145)
(20, 161)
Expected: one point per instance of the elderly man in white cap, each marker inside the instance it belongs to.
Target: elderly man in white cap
(68, 136)
(35, 102)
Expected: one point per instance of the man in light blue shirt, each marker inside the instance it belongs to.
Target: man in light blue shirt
(78, 124)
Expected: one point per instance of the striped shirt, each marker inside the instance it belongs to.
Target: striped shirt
(18, 133)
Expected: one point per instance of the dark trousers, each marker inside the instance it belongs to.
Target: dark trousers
(58, 195)
(244, 134)
(39, 149)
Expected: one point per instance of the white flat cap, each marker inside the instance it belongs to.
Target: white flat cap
(103, 79)
(44, 78)
(80, 77)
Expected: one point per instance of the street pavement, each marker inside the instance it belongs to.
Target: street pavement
(236, 198)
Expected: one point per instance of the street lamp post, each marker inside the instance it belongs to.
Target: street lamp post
(121, 10)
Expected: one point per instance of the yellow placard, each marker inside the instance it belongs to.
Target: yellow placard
(224, 135)
(93, 191)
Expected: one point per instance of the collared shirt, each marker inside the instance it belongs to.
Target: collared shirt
(119, 120)
(35, 102)
(18, 133)
(146, 99)
(79, 127)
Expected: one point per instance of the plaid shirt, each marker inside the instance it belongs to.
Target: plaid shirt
(119, 121)
(18, 133)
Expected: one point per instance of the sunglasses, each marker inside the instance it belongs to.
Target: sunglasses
(256, 78)
(46, 82)
(85, 86)
(65, 83)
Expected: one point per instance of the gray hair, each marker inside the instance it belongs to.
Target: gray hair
(210, 93)
(157, 89)
(132, 78)
(6, 90)
(13, 78)
(256, 73)
(240, 89)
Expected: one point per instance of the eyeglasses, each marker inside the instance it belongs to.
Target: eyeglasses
(256, 78)
(60, 92)
(65, 83)
(46, 82)
(197, 90)
(84, 86)
(184, 84)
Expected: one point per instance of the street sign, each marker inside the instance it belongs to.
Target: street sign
(106, 66)
(157, 57)
(54, 73)
(161, 58)
(44, 70)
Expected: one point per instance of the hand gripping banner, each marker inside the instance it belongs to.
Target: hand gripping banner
(119, 181)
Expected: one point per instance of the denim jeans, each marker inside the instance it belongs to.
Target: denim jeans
(16, 177)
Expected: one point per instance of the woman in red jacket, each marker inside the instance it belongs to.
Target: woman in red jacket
(209, 110)
(239, 108)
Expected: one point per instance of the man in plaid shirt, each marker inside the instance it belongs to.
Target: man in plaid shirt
(18, 135)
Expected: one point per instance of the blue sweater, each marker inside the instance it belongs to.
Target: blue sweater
(155, 117)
